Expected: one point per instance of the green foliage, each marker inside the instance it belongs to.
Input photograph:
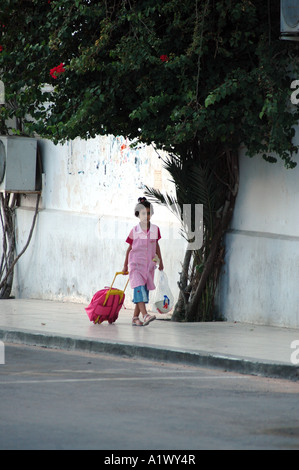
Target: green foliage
(224, 81)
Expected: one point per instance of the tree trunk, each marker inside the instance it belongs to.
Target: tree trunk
(181, 305)
(214, 251)
(8, 260)
(8, 246)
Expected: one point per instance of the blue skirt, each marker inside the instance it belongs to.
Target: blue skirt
(141, 294)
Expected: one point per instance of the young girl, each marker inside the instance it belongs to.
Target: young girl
(144, 246)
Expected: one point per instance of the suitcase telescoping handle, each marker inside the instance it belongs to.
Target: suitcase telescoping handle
(118, 292)
(117, 274)
(124, 273)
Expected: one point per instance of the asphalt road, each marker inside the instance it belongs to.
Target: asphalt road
(53, 399)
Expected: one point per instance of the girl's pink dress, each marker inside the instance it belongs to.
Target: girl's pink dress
(141, 264)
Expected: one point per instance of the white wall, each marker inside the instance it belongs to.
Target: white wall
(260, 279)
(89, 193)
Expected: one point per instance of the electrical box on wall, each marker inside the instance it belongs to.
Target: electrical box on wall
(17, 163)
(289, 19)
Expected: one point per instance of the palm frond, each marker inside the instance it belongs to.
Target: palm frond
(194, 184)
(154, 195)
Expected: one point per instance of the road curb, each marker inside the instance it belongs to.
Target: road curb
(200, 358)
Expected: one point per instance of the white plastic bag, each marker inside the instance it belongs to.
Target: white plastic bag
(163, 299)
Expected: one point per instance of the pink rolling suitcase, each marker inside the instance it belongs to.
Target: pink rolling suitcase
(106, 303)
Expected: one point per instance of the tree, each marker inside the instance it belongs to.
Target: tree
(197, 78)
(9, 203)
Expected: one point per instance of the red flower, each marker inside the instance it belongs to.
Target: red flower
(1, 48)
(55, 71)
(164, 58)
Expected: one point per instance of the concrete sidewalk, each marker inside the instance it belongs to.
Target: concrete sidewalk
(239, 347)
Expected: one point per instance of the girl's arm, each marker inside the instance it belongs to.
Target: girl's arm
(158, 251)
(125, 268)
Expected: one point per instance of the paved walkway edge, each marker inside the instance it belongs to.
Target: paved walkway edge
(203, 359)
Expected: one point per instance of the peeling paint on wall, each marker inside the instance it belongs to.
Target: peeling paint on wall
(102, 170)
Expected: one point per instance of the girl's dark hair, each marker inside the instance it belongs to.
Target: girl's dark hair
(143, 202)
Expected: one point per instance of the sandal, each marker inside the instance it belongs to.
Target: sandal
(148, 318)
(136, 322)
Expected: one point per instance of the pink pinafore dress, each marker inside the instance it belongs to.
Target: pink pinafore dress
(141, 264)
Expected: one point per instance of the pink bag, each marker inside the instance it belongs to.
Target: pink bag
(106, 304)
